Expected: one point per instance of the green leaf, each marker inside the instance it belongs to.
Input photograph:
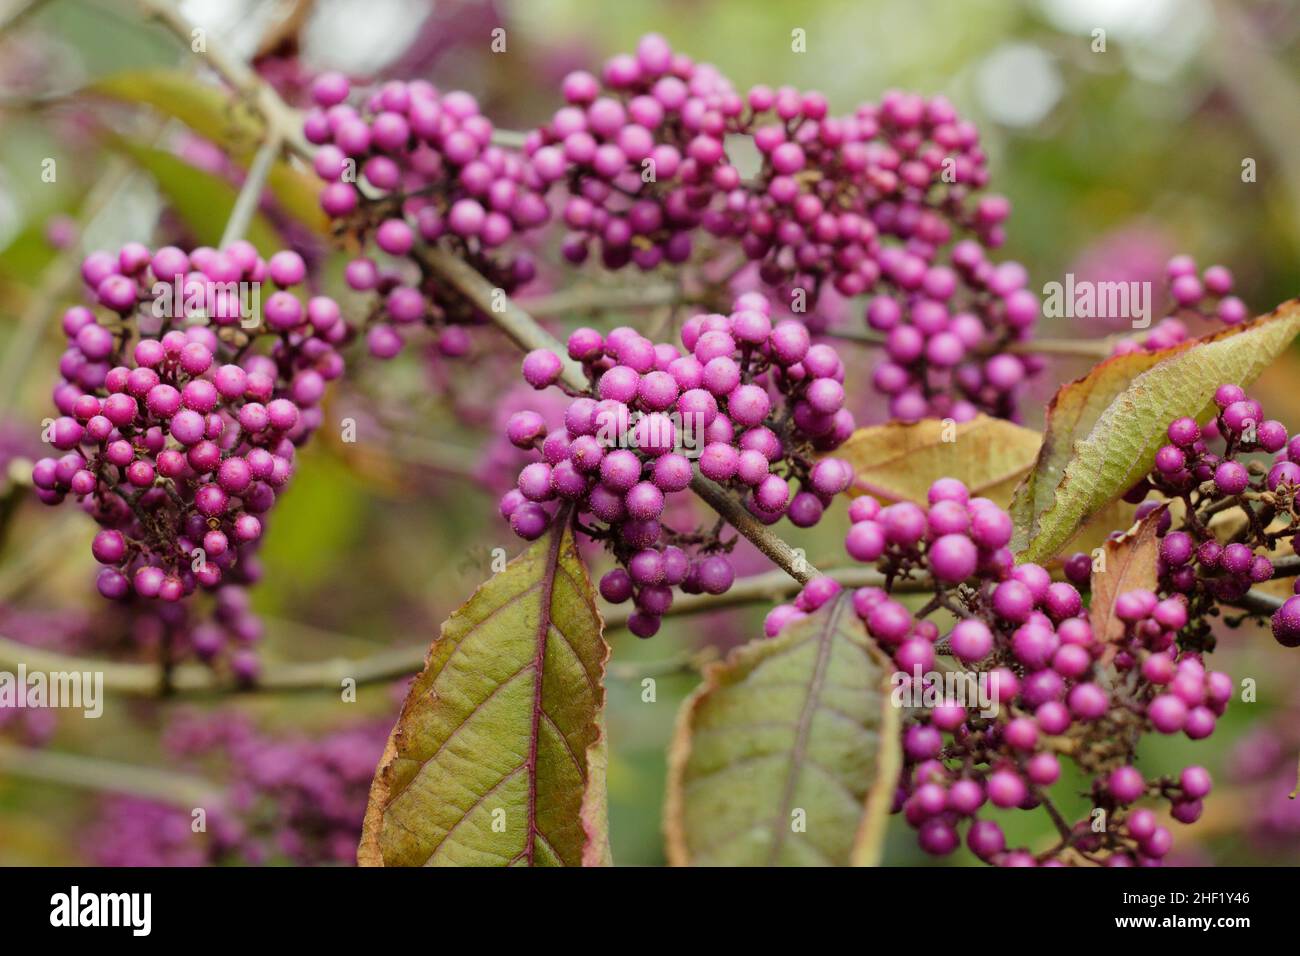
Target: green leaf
(799, 722)
(203, 201)
(1103, 430)
(498, 756)
(212, 114)
(899, 462)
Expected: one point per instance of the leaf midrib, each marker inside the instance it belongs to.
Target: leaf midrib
(798, 752)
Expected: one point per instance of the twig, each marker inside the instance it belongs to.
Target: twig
(278, 115)
(1081, 348)
(1257, 602)
(688, 662)
(196, 680)
(509, 138)
(758, 588)
(1287, 567)
(250, 194)
(95, 774)
(592, 297)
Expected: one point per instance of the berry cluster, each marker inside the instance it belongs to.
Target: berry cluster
(868, 201)
(177, 432)
(1036, 685)
(1224, 490)
(1207, 296)
(296, 801)
(946, 329)
(417, 166)
(755, 400)
(642, 159)
(832, 189)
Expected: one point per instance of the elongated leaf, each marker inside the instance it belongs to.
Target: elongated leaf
(899, 462)
(1071, 415)
(236, 128)
(1103, 431)
(498, 756)
(788, 754)
(1130, 564)
(203, 107)
(203, 201)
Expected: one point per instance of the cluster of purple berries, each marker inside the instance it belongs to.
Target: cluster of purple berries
(413, 167)
(946, 328)
(869, 201)
(1193, 561)
(1034, 687)
(176, 432)
(833, 189)
(296, 801)
(640, 158)
(754, 399)
(1207, 296)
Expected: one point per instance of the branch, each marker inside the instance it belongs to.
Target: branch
(197, 680)
(1257, 602)
(95, 774)
(594, 297)
(1080, 348)
(1287, 567)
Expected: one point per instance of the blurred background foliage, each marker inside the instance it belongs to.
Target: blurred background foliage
(1114, 160)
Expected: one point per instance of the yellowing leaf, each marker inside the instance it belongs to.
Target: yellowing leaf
(788, 754)
(594, 814)
(1130, 564)
(498, 756)
(1103, 430)
(899, 462)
